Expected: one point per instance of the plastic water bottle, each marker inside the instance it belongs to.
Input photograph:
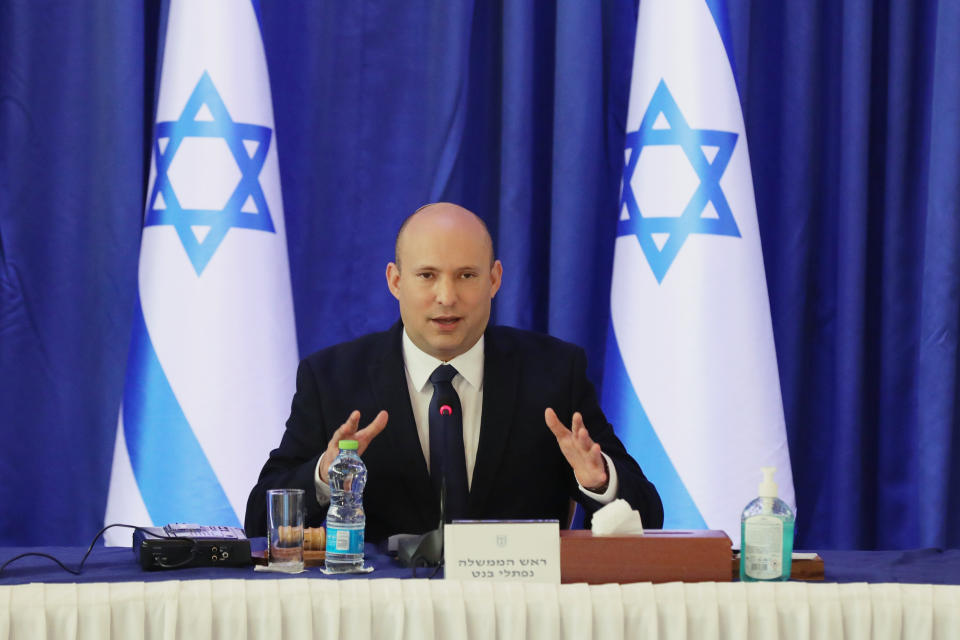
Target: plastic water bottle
(345, 517)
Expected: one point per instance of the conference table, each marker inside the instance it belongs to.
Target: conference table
(865, 594)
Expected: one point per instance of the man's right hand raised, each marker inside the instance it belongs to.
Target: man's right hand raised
(348, 431)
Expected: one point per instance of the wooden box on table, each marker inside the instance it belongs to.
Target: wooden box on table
(656, 556)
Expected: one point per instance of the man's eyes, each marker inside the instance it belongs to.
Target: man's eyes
(429, 275)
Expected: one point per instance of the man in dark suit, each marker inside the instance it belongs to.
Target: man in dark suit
(516, 392)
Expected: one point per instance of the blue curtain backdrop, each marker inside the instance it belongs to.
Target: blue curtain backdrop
(517, 111)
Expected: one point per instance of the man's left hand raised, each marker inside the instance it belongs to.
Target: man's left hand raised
(581, 452)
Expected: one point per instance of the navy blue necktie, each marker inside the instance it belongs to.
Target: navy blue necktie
(447, 459)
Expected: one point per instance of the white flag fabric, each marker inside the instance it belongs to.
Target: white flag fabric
(690, 372)
(213, 349)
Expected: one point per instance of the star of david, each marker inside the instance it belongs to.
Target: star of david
(709, 172)
(205, 116)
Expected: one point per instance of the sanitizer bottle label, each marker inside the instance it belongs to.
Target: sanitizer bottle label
(763, 547)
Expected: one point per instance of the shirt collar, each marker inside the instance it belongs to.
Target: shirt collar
(421, 364)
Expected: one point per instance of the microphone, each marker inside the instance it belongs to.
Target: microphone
(427, 550)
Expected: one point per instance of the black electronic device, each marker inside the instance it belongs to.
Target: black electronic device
(178, 546)
(422, 551)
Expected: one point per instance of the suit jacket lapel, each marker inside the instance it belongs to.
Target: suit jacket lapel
(500, 381)
(388, 378)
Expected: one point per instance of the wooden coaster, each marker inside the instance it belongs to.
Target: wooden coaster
(311, 558)
(314, 548)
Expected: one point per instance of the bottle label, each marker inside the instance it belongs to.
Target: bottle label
(344, 540)
(762, 547)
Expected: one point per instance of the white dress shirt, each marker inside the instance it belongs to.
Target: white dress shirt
(468, 383)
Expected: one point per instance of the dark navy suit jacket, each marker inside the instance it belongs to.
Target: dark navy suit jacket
(520, 472)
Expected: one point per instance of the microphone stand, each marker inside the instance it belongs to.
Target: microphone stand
(427, 550)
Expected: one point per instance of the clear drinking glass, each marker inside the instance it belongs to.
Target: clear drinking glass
(285, 529)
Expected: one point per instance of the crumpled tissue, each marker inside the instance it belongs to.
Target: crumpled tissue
(617, 518)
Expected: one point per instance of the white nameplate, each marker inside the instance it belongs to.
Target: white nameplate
(523, 551)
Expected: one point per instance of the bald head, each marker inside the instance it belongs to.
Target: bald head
(448, 216)
(448, 280)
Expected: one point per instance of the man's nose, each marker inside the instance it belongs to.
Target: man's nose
(446, 292)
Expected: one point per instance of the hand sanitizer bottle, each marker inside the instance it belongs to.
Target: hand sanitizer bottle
(766, 535)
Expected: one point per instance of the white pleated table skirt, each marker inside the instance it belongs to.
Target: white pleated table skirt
(395, 609)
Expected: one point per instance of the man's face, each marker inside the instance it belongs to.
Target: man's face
(444, 281)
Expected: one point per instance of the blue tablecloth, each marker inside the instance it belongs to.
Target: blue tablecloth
(116, 564)
(119, 564)
(920, 566)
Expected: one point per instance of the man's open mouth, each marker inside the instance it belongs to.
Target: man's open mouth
(446, 322)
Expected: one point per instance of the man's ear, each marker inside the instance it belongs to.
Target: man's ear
(393, 279)
(496, 277)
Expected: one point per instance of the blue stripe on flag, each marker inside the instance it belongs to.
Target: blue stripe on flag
(624, 411)
(721, 17)
(256, 11)
(175, 478)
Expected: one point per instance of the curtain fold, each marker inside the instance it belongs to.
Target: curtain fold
(72, 122)
(858, 203)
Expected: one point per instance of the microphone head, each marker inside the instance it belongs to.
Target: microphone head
(446, 410)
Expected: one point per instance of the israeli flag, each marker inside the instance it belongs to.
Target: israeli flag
(213, 352)
(690, 372)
